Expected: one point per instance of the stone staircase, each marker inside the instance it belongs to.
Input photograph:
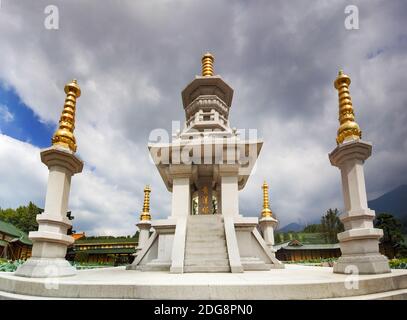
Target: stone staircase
(205, 245)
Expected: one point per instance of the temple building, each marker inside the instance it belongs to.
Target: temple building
(205, 167)
(296, 250)
(105, 250)
(14, 243)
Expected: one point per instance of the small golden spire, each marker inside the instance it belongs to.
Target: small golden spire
(64, 135)
(207, 64)
(145, 215)
(266, 212)
(348, 127)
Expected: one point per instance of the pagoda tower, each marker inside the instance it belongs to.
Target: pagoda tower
(144, 225)
(268, 221)
(204, 167)
(50, 241)
(359, 242)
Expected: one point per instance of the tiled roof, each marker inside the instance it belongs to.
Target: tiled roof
(3, 243)
(94, 241)
(13, 231)
(108, 251)
(321, 246)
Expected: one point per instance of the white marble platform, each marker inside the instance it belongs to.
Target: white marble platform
(294, 282)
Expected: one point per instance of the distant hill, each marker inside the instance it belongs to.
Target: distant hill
(393, 202)
(294, 227)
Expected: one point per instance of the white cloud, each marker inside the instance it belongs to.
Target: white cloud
(98, 206)
(281, 59)
(23, 176)
(5, 114)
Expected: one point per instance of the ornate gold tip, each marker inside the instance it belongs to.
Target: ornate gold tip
(145, 215)
(266, 212)
(207, 64)
(64, 135)
(348, 128)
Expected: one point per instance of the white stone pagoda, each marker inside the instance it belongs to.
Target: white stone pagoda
(204, 167)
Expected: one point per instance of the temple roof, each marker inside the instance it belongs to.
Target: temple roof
(13, 231)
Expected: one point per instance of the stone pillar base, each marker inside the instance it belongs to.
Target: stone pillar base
(131, 266)
(45, 268)
(267, 225)
(362, 264)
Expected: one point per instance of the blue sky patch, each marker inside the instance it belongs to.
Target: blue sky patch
(18, 121)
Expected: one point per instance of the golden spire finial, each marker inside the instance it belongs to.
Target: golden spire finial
(348, 128)
(145, 215)
(266, 212)
(207, 64)
(64, 135)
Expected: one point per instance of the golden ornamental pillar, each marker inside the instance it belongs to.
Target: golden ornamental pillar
(50, 241)
(145, 214)
(144, 225)
(267, 221)
(359, 242)
(348, 128)
(207, 65)
(64, 135)
(266, 212)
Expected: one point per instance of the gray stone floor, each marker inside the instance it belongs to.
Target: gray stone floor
(294, 282)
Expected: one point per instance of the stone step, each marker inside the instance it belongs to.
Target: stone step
(213, 249)
(206, 262)
(206, 269)
(250, 259)
(205, 227)
(205, 256)
(254, 263)
(255, 266)
(155, 266)
(207, 251)
(206, 247)
(205, 233)
(206, 239)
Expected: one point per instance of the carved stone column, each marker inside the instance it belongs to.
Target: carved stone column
(50, 242)
(360, 241)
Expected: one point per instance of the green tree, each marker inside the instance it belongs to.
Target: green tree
(279, 237)
(392, 228)
(286, 236)
(313, 228)
(24, 217)
(7, 215)
(27, 217)
(331, 226)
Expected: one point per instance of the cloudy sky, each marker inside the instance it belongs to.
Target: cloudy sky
(133, 58)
